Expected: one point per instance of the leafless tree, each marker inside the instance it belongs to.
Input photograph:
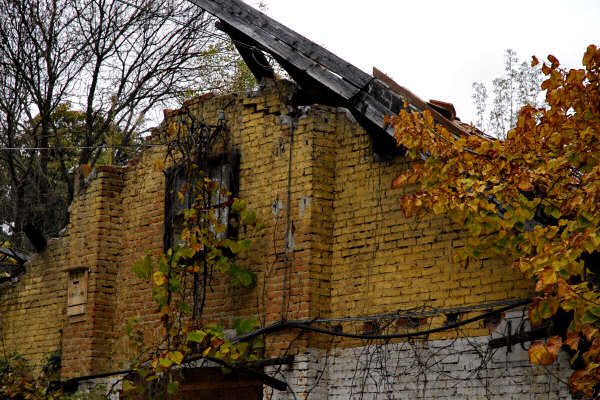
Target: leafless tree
(519, 86)
(116, 61)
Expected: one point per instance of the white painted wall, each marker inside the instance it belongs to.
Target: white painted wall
(443, 369)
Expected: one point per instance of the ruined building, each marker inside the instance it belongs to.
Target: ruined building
(315, 162)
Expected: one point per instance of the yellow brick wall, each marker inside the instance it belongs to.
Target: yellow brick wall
(354, 251)
(383, 261)
(32, 311)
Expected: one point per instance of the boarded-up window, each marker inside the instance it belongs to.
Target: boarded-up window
(212, 384)
(202, 384)
(77, 291)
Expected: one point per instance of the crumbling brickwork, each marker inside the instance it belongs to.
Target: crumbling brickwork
(308, 170)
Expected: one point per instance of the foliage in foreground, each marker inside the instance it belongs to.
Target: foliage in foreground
(178, 294)
(534, 198)
(202, 248)
(19, 381)
(181, 278)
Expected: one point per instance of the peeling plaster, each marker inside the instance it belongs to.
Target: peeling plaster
(304, 205)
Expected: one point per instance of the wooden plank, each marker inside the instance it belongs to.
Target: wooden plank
(266, 30)
(304, 64)
(372, 98)
(415, 101)
(535, 334)
(372, 109)
(254, 58)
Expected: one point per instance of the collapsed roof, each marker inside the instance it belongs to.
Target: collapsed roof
(323, 77)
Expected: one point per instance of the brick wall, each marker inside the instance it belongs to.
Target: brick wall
(383, 261)
(94, 244)
(32, 310)
(349, 251)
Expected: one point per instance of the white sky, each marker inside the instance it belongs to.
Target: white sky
(438, 48)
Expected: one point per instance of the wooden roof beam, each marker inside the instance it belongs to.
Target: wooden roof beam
(268, 32)
(325, 78)
(251, 54)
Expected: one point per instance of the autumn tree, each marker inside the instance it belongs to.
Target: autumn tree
(534, 198)
(519, 86)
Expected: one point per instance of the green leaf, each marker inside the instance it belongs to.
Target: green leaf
(176, 357)
(163, 267)
(143, 268)
(475, 229)
(241, 276)
(534, 316)
(173, 387)
(589, 318)
(165, 362)
(183, 306)
(238, 205)
(544, 310)
(128, 386)
(248, 217)
(189, 213)
(595, 311)
(242, 326)
(196, 336)
(553, 211)
(174, 284)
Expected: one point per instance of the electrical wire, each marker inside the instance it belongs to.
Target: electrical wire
(125, 146)
(288, 225)
(416, 314)
(304, 325)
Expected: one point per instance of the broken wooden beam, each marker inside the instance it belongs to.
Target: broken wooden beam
(522, 337)
(251, 54)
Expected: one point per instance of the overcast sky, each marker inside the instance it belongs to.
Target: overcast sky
(438, 48)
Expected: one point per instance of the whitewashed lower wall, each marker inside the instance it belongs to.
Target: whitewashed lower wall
(100, 388)
(444, 369)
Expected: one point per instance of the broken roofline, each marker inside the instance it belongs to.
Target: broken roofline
(324, 77)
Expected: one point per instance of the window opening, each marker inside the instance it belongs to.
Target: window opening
(224, 170)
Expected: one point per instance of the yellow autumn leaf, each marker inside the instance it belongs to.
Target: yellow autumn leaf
(159, 278)
(524, 184)
(428, 117)
(176, 357)
(545, 354)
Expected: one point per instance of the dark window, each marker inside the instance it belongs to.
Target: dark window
(223, 169)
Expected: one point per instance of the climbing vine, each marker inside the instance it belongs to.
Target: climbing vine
(533, 198)
(182, 274)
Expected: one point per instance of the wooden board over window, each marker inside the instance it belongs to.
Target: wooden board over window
(212, 384)
(77, 291)
(205, 384)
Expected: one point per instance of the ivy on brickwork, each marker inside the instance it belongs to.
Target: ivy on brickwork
(181, 275)
(533, 198)
(180, 278)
